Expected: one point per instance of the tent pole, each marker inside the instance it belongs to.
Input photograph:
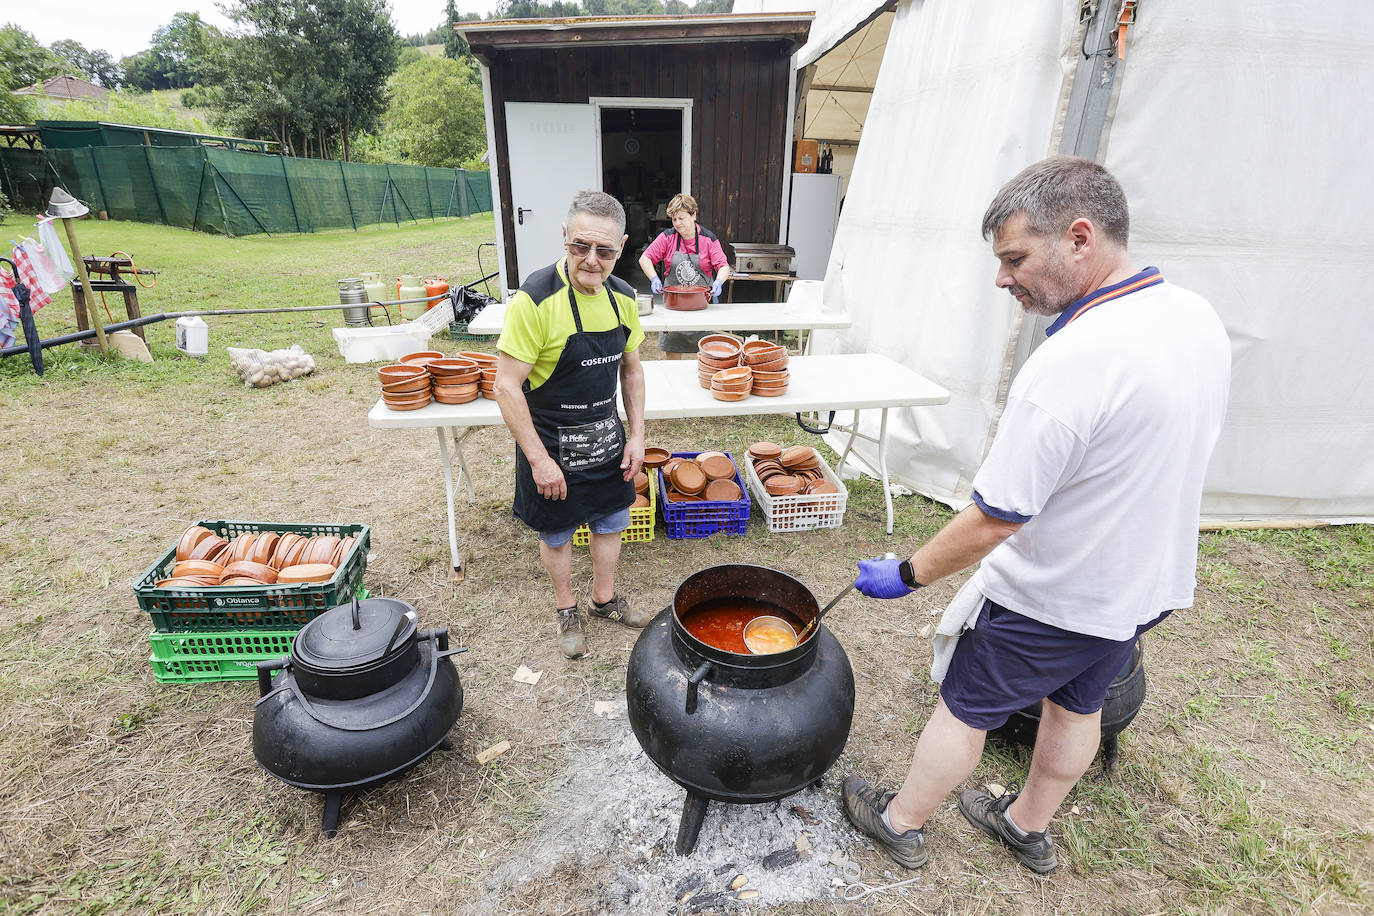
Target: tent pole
(1085, 118)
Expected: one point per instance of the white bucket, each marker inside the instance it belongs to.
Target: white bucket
(193, 336)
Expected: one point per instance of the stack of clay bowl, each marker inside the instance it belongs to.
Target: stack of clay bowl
(709, 476)
(732, 384)
(486, 363)
(641, 491)
(716, 352)
(405, 387)
(455, 380)
(203, 558)
(794, 471)
(769, 364)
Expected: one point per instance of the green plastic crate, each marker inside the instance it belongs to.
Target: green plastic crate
(193, 658)
(458, 330)
(252, 606)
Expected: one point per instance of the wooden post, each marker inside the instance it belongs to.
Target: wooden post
(86, 286)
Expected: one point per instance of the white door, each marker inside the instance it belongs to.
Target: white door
(553, 155)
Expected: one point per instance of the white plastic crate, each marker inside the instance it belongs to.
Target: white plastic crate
(799, 513)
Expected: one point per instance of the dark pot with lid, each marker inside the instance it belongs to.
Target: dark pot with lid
(731, 726)
(364, 696)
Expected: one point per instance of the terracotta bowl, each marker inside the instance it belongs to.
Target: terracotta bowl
(340, 552)
(729, 395)
(263, 547)
(764, 449)
(290, 555)
(764, 354)
(321, 548)
(702, 456)
(722, 491)
(767, 469)
(641, 502)
(707, 362)
(420, 399)
(769, 392)
(764, 375)
(189, 539)
(773, 365)
(796, 456)
(398, 373)
(420, 358)
(198, 568)
(717, 467)
(306, 572)
(689, 478)
(481, 359)
(259, 572)
(655, 457)
(782, 485)
(715, 341)
(409, 386)
(729, 376)
(453, 365)
(285, 545)
(641, 483)
(239, 547)
(441, 396)
(183, 582)
(822, 486)
(731, 387)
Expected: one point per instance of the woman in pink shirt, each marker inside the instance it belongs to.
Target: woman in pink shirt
(691, 255)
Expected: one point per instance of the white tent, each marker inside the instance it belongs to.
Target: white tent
(1240, 132)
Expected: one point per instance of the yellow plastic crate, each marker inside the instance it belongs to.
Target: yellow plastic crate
(641, 522)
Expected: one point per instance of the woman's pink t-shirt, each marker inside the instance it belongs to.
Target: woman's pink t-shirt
(660, 251)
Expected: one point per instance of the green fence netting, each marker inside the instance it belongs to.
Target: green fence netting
(240, 193)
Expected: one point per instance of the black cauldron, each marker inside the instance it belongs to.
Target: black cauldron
(731, 727)
(363, 697)
(1125, 696)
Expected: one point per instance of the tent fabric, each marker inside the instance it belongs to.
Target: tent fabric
(835, 19)
(969, 98)
(1237, 134)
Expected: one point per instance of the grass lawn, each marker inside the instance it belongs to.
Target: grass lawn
(1244, 785)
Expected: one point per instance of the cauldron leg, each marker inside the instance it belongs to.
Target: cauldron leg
(693, 813)
(333, 805)
(1109, 754)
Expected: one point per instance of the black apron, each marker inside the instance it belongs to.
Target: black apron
(574, 414)
(684, 269)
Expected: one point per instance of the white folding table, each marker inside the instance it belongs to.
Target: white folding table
(851, 381)
(718, 316)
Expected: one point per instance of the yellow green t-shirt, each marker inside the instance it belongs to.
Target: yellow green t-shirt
(539, 319)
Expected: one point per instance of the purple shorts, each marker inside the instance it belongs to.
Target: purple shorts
(1008, 662)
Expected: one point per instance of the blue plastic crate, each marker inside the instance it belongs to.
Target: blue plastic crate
(704, 518)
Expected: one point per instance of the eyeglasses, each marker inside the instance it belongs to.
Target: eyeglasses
(582, 249)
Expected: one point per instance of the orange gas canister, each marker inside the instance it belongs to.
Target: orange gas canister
(435, 287)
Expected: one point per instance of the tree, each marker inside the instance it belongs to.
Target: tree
(23, 62)
(455, 46)
(436, 116)
(186, 51)
(310, 73)
(96, 65)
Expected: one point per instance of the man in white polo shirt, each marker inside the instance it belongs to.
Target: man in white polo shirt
(1085, 512)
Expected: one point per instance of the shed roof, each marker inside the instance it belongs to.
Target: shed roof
(511, 34)
(64, 87)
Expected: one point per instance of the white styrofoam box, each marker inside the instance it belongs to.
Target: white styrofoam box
(801, 512)
(369, 345)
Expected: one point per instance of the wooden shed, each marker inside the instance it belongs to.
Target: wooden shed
(641, 107)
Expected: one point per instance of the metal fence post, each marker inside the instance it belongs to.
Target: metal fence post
(343, 176)
(152, 180)
(287, 179)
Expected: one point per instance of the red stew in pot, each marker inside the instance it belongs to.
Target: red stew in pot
(720, 622)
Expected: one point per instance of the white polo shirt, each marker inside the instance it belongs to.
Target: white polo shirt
(1101, 452)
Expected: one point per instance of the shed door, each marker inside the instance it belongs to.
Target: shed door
(553, 155)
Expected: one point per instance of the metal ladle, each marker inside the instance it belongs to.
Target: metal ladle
(769, 620)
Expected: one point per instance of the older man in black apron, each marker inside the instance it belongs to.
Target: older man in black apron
(571, 334)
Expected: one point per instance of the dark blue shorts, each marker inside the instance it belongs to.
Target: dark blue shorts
(1008, 662)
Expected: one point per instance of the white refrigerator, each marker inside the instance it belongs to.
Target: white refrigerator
(811, 220)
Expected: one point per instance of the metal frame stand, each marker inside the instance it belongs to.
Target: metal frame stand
(853, 429)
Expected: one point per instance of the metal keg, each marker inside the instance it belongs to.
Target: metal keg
(350, 291)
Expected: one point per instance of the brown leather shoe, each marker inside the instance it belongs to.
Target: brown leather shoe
(571, 642)
(619, 610)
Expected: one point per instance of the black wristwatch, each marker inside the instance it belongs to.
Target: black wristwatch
(908, 575)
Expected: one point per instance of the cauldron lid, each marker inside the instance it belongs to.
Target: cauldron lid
(331, 643)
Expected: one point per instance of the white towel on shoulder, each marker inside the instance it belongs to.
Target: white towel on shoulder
(960, 615)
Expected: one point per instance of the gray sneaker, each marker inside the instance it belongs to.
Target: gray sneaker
(864, 807)
(988, 814)
(570, 639)
(619, 610)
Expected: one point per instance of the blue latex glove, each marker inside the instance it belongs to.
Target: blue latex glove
(880, 578)
(656, 286)
(716, 288)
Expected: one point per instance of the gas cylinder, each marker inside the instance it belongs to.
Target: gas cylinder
(376, 290)
(435, 286)
(409, 286)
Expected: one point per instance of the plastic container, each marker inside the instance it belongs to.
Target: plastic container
(193, 335)
(251, 606)
(703, 518)
(194, 658)
(641, 522)
(384, 344)
(802, 512)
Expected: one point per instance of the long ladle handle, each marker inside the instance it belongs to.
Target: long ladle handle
(833, 601)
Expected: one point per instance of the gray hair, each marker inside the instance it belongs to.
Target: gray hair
(598, 204)
(1056, 191)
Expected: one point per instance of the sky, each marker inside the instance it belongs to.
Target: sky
(125, 26)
